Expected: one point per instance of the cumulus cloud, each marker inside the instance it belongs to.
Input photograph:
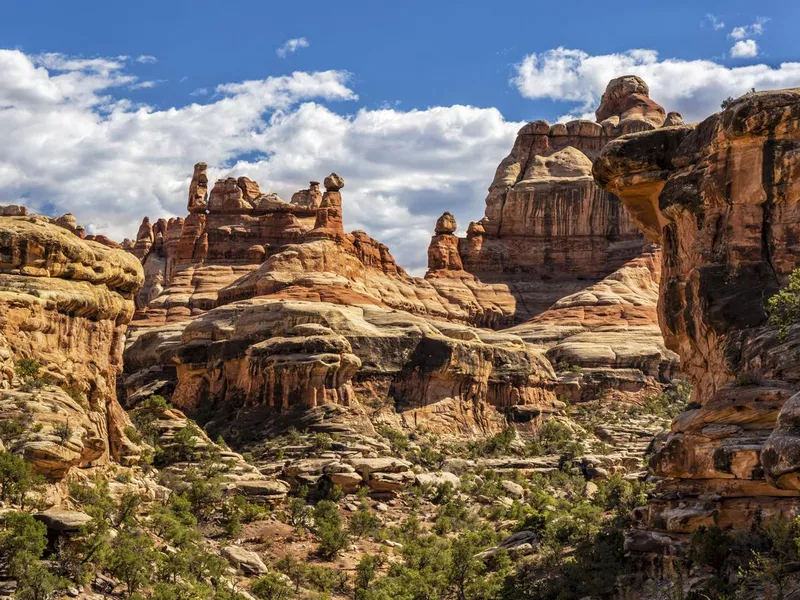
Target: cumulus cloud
(747, 31)
(82, 146)
(694, 88)
(291, 46)
(744, 49)
(146, 59)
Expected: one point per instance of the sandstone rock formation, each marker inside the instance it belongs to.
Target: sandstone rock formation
(722, 200)
(64, 307)
(604, 340)
(249, 244)
(549, 231)
(287, 356)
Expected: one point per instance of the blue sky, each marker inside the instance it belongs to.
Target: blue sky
(418, 102)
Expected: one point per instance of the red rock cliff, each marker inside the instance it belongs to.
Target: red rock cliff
(723, 200)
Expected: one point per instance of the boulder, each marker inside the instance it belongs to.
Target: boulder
(245, 561)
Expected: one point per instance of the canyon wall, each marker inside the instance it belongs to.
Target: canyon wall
(549, 230)
(322, 319)
(722, 199)
(65, 303)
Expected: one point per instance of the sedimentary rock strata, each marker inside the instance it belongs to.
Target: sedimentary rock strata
(241, 244)
(604, 340)
(548, 229)
(288, 356)
(721, 199)
(64, 307)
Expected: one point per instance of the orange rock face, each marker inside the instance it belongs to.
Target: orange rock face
(721, 200)
(605, 340)
(64, 303)
(277, 264)
(548, 230)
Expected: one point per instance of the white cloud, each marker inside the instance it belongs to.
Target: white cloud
(200, 92)
(739, 33)
(291, 46)
(146, 59)
(143, 85)
(746, 31)
(81, 147)
(715, 22)
(744, 49)
(694, 88)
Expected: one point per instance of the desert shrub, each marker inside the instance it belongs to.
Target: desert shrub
(175, 523)
(62, 431)
(272, 586)
(23, 540)
(711, 547)
(14, 431)
(427, 456)
(617, 493)
(155, 402)
(784, 307)
(321, 442)
(132, 559)
(21, 544)
(238, 510)
(670, 402)
(204, 494)
(298, 514)
(363, 523)
(366, 571)
(29, 371)
(182, 446)
(74, 393)
(17, 479)
(93, 497)
(498, 445)
(333, 538)
(453, 515)
(26, 368)
(555, 437)
(397, 439)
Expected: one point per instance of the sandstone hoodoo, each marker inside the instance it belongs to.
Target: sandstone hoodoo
(722, 200)
(319, 317)
(549, 230)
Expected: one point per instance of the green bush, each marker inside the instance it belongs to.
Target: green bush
(17, 479)
(63, 432)
(132, 559)
(784, 307)
(671, 402)
(271, 586)
(333, 537)
(21, 544)
(363, 523)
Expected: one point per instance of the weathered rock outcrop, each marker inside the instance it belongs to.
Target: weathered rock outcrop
(605, 340)
(246, 244)
(226, 234)
(722, 199)
(549, 231)
(283, 356)
(64, 307)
